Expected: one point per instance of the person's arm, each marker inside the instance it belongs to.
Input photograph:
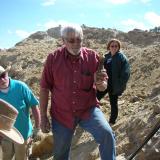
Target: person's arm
(36, 116)
(101, 76)
(44, 95)
(125, 71)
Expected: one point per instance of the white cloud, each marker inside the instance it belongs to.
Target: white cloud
(108, 15)
(52, 24)
(82, 15)
(9, 32)
(145, 1)
(118, 1)
(131, 24)
(152, 18)
(22, 33)
(48, 2)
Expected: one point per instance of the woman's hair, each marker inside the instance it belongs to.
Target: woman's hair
(113, 40)
(71, 28)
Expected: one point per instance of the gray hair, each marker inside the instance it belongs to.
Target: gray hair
(71, 28)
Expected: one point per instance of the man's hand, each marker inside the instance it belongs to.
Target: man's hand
(37, 134)
(101, 75)
(101, 80)
(101, 86)
(45, 124)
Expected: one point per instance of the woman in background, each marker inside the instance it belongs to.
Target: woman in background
(118, 70)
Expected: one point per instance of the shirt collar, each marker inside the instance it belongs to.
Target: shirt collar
(67, 54)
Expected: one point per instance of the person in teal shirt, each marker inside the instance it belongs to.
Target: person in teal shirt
(18, 94)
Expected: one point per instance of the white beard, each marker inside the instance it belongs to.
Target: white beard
(74, 51)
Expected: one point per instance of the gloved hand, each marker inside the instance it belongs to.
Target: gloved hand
(37, 134)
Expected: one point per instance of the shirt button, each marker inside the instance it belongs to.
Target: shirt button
(74, 81)
(73, 102)
(74, 92)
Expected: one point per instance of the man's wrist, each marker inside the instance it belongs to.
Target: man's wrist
(36, 129)
(43, 115)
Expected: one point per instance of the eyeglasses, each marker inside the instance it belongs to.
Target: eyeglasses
(74, 40)
(3, 75)
(114, 46)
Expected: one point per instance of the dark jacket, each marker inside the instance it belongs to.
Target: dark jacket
(120, 72)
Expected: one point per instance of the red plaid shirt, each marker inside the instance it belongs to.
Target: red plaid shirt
(71, 82)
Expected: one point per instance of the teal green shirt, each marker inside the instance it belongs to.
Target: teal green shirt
(21, 97)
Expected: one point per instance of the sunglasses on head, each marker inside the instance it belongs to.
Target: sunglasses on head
(74, 40)
(3, 75)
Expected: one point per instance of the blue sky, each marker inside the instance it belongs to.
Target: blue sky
(20, 18)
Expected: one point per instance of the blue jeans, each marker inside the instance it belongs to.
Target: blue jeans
(96, 125)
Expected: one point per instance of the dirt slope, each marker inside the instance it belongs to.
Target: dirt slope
(139, 106)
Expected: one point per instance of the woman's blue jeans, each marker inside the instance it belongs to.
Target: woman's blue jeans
(96, 125)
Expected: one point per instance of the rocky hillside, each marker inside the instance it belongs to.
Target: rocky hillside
(139, 106)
